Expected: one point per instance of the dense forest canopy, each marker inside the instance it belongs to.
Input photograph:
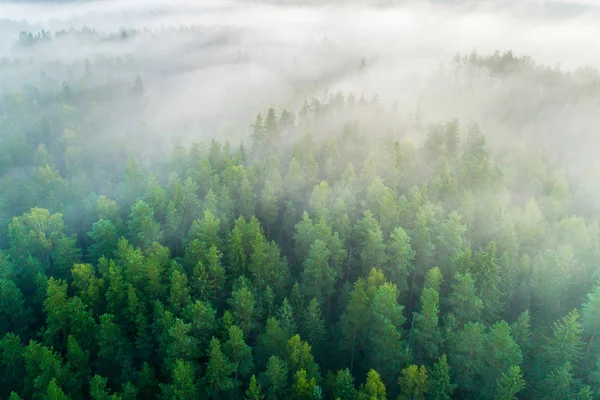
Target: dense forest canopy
(282, 206)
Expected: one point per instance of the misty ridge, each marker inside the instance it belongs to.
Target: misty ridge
(211, 66)
(300, 199)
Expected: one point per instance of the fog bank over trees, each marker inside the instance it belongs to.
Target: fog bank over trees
(299, 200)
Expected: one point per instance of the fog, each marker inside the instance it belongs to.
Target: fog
(212, 65)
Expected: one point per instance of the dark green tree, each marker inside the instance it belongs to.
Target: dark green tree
(440, 381)
(218, 377)
(236, 349)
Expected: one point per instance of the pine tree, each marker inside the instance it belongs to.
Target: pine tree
(486, 272)
(440, 384)
(54, 392)
(303, 387)
(373, 389)
(219, 370)
(258, 134)
(521, 332)
(183, 385)
(12, 363)
(254, 391)
(78, 366)
(426, 333)
(179, 291)
(286, 121)
(202, 317)
(562, 384)
(43, 367)
(400, 260)
(565, 345)
(313, 326)
(502, 353)
(414, 383)
(181, 344)
(98, 389)
(143, 228)
(509, 384)
(344, 385)
(299, 356)
(286, 317)
(271, 124)
(104, 234)
(463, 299)
(318, 277)
(243, 309)
(372, 247)
(238, 351)
(275, 378)
(467, 355)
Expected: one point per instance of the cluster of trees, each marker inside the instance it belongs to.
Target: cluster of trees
(325, 257)
(28, 38)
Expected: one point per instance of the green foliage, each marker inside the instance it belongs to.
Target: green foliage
(273, 340)
(463, 299)
(243, 309)
(12, 362)
(318, 278)
(561, 384)
(299, 356)
(521, 332)
(400, 259)
(565, 344)
(414, 383)
(143, 228)
(467, 357)
(303, 388)
(373, 389)
(238, 351)
(219, 370)
(54, 392)
(45, 371)
(440, 382)
(509, 384)
(254, 391)
(275, 377)
(426, 333)
(88, 286)
(182, 384)
(313, 325)
(268, 205)
(105, 237)
(372, 248)
(343, 386)
(114, 355)
(78, 366)
(591, 322)
(281, 272)
(15, 316)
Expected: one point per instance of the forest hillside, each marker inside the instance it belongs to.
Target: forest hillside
(203, 211)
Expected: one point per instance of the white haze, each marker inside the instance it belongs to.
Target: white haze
(278, 54)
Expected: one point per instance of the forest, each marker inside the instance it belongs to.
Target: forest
(334, 245)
